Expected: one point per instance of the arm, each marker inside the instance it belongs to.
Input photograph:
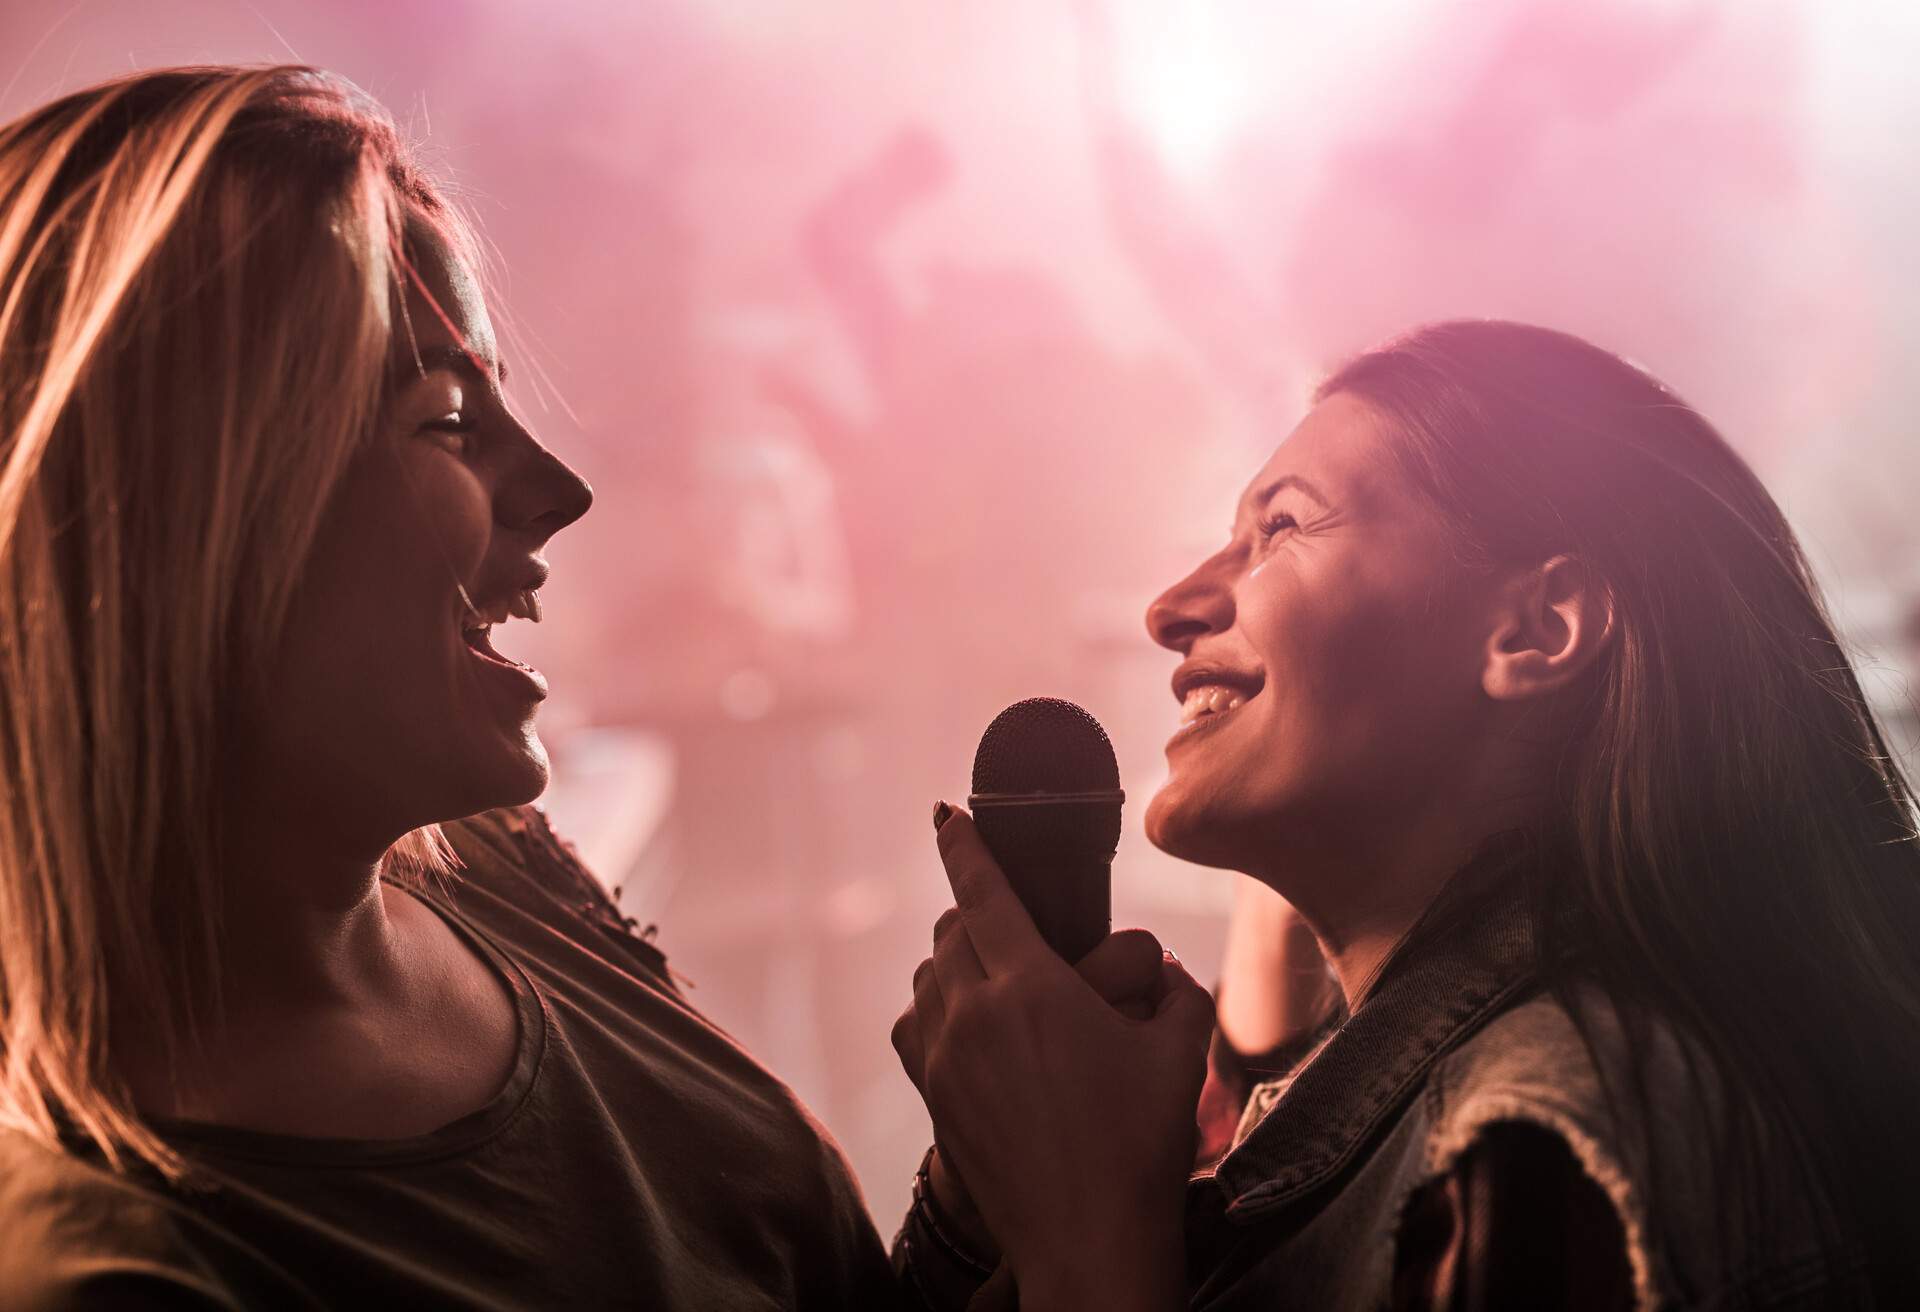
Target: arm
(1274, 985)
(1275, 999)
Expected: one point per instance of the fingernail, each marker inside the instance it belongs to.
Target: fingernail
(1169, 956)
(940, 813)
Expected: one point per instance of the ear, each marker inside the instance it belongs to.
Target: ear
(1552, 625)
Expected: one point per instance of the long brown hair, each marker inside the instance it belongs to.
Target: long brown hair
(1736, 850)
(200, 273)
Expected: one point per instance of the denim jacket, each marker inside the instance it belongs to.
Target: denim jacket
(1458, 1037)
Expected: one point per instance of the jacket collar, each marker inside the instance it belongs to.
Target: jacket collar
(1472, 962)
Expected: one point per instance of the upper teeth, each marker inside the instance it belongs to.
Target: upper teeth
(1208, 699)
(524, 604)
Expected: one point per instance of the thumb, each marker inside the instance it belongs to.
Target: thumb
(1185, 1008)
(1124, 967)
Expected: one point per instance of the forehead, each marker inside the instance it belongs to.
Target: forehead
(1340, 447)
(456, 314)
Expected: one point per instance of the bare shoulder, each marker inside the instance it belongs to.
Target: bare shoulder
(78, 1235)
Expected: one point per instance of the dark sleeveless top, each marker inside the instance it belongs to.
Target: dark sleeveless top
(636, 1157)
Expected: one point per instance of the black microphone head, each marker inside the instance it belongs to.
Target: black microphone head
(1046, 799)
(1044, 745)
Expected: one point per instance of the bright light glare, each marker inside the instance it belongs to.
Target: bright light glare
(1181, 79)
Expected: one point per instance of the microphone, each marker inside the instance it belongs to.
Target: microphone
(1046, 799)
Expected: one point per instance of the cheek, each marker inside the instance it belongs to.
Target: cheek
(1362, 669)
(1321, 638)
(380, 581)
(439, 510)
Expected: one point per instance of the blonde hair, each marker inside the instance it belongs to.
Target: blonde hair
(200, 273)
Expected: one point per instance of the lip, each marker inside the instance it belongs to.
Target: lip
(527, 680)
(1203, 727)
(1193, 673)
(1200, 673)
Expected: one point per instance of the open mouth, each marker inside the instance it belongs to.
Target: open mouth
(477, 625)
(481, 642)
(1209, 696)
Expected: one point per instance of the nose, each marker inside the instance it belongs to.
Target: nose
(1197, 605)
(544, 495)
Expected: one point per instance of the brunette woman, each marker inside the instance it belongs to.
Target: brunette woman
(1512, 681)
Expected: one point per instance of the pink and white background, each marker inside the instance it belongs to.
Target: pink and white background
(913, 346)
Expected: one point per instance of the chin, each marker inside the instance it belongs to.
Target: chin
(528, 776)
(1180, 827)
(501, 774)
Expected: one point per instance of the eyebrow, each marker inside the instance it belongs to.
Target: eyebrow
(463, 361)
(1295, 481)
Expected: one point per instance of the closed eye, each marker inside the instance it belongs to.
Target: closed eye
(1276, 524)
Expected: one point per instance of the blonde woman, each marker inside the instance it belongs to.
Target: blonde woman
(277, 1028)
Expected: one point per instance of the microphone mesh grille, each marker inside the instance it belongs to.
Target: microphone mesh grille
(1044, 745)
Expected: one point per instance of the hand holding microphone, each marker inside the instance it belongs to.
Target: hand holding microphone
(1072, 1123)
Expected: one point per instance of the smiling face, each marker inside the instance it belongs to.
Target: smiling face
(1333, 658)
(385, 707)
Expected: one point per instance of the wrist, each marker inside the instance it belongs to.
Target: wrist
(1112, 1287)
(1136, 1268)
(950, 1213)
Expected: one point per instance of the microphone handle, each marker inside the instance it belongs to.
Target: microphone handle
(1043, 850)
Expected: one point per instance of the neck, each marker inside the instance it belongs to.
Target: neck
(1359, 928)
(304, 931)
(308, 938)
(1363, 886)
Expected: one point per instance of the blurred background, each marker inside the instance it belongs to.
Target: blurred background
(912, 347)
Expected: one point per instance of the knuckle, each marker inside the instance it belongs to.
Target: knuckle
(971, 1018)
(946, 923)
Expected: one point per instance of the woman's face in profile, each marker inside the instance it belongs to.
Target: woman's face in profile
(387, 707)
(1333, 651)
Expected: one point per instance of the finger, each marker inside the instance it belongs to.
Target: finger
(955, 963)
(908, 1039)
(929, 1002)
(929, 1006)
(949, 918)
(1124, 967)
(912, 1052)
(1002, 932)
